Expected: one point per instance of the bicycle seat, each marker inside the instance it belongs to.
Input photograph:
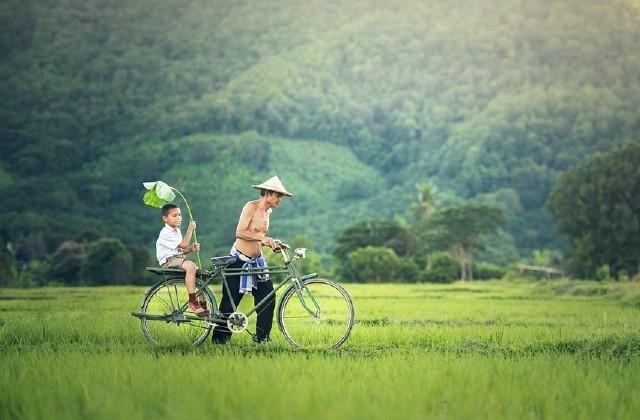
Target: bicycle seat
(160, 270)
(223, 261)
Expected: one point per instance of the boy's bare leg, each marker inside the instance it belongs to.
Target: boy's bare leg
(190, 277)
(190, 282)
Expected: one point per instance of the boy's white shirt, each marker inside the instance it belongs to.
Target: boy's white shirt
(167, 243)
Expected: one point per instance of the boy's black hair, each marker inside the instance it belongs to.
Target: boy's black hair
(167, 207)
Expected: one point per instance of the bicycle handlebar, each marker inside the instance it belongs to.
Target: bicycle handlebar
(281, 246)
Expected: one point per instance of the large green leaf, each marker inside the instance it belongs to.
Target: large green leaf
(158, 195)
(151, 199)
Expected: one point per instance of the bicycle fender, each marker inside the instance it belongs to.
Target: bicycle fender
(309, 276)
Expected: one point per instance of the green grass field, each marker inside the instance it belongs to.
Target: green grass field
(469, 350)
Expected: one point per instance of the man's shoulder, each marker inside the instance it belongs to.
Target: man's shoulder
(251, 205)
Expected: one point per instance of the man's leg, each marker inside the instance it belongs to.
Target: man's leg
(265, 312)
(222, 334)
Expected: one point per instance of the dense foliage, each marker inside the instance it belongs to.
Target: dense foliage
(597, 205)
(438, 246)
(351, 103)
(460, 231)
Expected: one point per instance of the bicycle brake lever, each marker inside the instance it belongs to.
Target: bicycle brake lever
(281, 246)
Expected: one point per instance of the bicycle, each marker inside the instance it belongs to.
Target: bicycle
(313, 312)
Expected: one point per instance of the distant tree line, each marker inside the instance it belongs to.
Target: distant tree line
(596, 205)
(90, 93)
(435, 245)
(89, 260)
(489, 101)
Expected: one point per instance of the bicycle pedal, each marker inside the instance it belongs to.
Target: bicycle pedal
(221, 320)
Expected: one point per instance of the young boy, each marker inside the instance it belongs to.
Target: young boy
(171, 248)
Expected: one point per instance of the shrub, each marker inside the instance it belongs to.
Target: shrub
(373, 264)
(486, 271)
(442, 268)
(7, 269)
(603, 273)
(66, 262)
(34, 274)
(409, 271)
(140, 259)
(108, 262)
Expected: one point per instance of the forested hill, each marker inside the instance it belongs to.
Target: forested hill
(352, 103)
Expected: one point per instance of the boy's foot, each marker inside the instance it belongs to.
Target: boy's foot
(197, 309)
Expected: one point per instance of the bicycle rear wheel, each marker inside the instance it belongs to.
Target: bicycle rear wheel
(165, 323)
(318, 316)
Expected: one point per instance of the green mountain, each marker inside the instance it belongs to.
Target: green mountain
(352, 103)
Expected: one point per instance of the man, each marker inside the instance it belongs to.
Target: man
(250, 238)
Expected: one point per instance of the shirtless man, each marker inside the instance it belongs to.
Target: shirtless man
(250, 238)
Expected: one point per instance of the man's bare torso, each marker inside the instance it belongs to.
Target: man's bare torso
(258, 222)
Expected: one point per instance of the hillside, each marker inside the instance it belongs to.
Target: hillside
(352, 103)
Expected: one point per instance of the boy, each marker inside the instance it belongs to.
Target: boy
(171, 248)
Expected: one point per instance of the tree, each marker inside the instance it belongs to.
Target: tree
(442, 268)
(140, 259)
(378, 264)
(7, 269)
(597, 206)
(378, 233)
(459, 230)
(108, 262)
(425, 204)
(66, 262)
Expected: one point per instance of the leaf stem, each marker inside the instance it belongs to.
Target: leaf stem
(195, 237)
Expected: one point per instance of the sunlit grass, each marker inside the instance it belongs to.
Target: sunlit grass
(485, 349)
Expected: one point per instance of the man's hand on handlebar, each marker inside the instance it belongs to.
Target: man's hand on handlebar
(271, 243)
(274, 244)
(281, 246)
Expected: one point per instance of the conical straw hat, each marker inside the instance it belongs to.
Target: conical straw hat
(273, 184)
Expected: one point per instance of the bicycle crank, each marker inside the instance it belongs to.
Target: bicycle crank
(237, 322)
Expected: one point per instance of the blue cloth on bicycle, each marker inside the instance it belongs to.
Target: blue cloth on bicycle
(248, 282)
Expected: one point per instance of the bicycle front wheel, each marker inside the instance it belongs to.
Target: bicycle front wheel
(318, 315)
(165, 323)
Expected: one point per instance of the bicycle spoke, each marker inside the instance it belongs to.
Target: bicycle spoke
(166, 304)
(173, 307)
(178, 327)
(329, 327)
(175, 288)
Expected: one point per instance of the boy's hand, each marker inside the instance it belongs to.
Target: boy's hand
(195, 247)
(192, 226)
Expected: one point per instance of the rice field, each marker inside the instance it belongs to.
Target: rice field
(555, 349)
